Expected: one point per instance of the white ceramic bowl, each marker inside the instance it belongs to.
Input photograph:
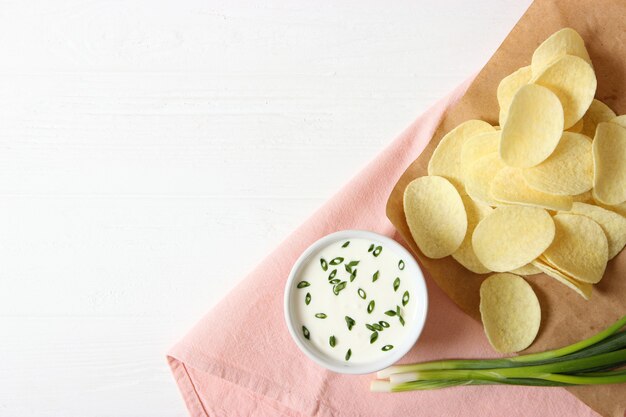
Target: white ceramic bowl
(419, 293)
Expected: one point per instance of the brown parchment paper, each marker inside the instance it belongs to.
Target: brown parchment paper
(566, 317)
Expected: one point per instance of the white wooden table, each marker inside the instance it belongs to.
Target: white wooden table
(151, 153)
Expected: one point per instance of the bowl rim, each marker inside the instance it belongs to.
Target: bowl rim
(411, 338)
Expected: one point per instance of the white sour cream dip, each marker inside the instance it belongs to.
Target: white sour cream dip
(352, 300)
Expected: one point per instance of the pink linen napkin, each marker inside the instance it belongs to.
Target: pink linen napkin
(253, 368)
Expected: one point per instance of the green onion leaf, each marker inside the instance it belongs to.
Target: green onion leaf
(362, 293)
(334, 281)
(390, 313)
(306, 333)
(370, 327)
(370, 307)
(348, 354)
(377, 251)
(353, 275)
(332, 274)
(371, 248)
(399, 313)
(337, 288)
(345, 245)
(350, 322)
(401, 265)
(387, 347)
(307, 298)
(378, 327)
(375, 276)
(348, 268)
(336, 261)
(321, 315)
(324, 264)
(405, 298)
(373, 337)
(303, 284)
(396, 284)
(383, 323)
(353, 263)
(332, 341)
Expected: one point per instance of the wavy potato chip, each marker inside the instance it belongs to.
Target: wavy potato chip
(568, 171)
(476, 211)
(446, 159)
(580, 248)
(609, 158)
(551, 265)
(508, 186)
(598, 112)
(435, 215)
(479, 177)
(512, 236)
(564, 42)
(574, 83)
(528, 269)
(476, 147)
(510, 312)
(582, 288)
(533, 127)
(508, 87)
(613, 225)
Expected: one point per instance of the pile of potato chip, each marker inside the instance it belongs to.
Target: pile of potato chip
(543, 192)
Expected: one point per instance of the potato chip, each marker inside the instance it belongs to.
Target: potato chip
(435, 215)
(508, 87)
(508, 186)
(613, 225)
(618, 208)
(446, 159)
(568, 171)
(476, 211)
(512, 236)
(510, 312)
(564, 42)
(598, 112)
(574, 82)
(582, 288)
(580, 248)
(533, 127)
(479, 177)
(609, 157)
(528, 269)
(551, 265)
(476, 147)
(620, 120)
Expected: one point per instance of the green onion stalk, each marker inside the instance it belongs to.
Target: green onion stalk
(592, 361)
